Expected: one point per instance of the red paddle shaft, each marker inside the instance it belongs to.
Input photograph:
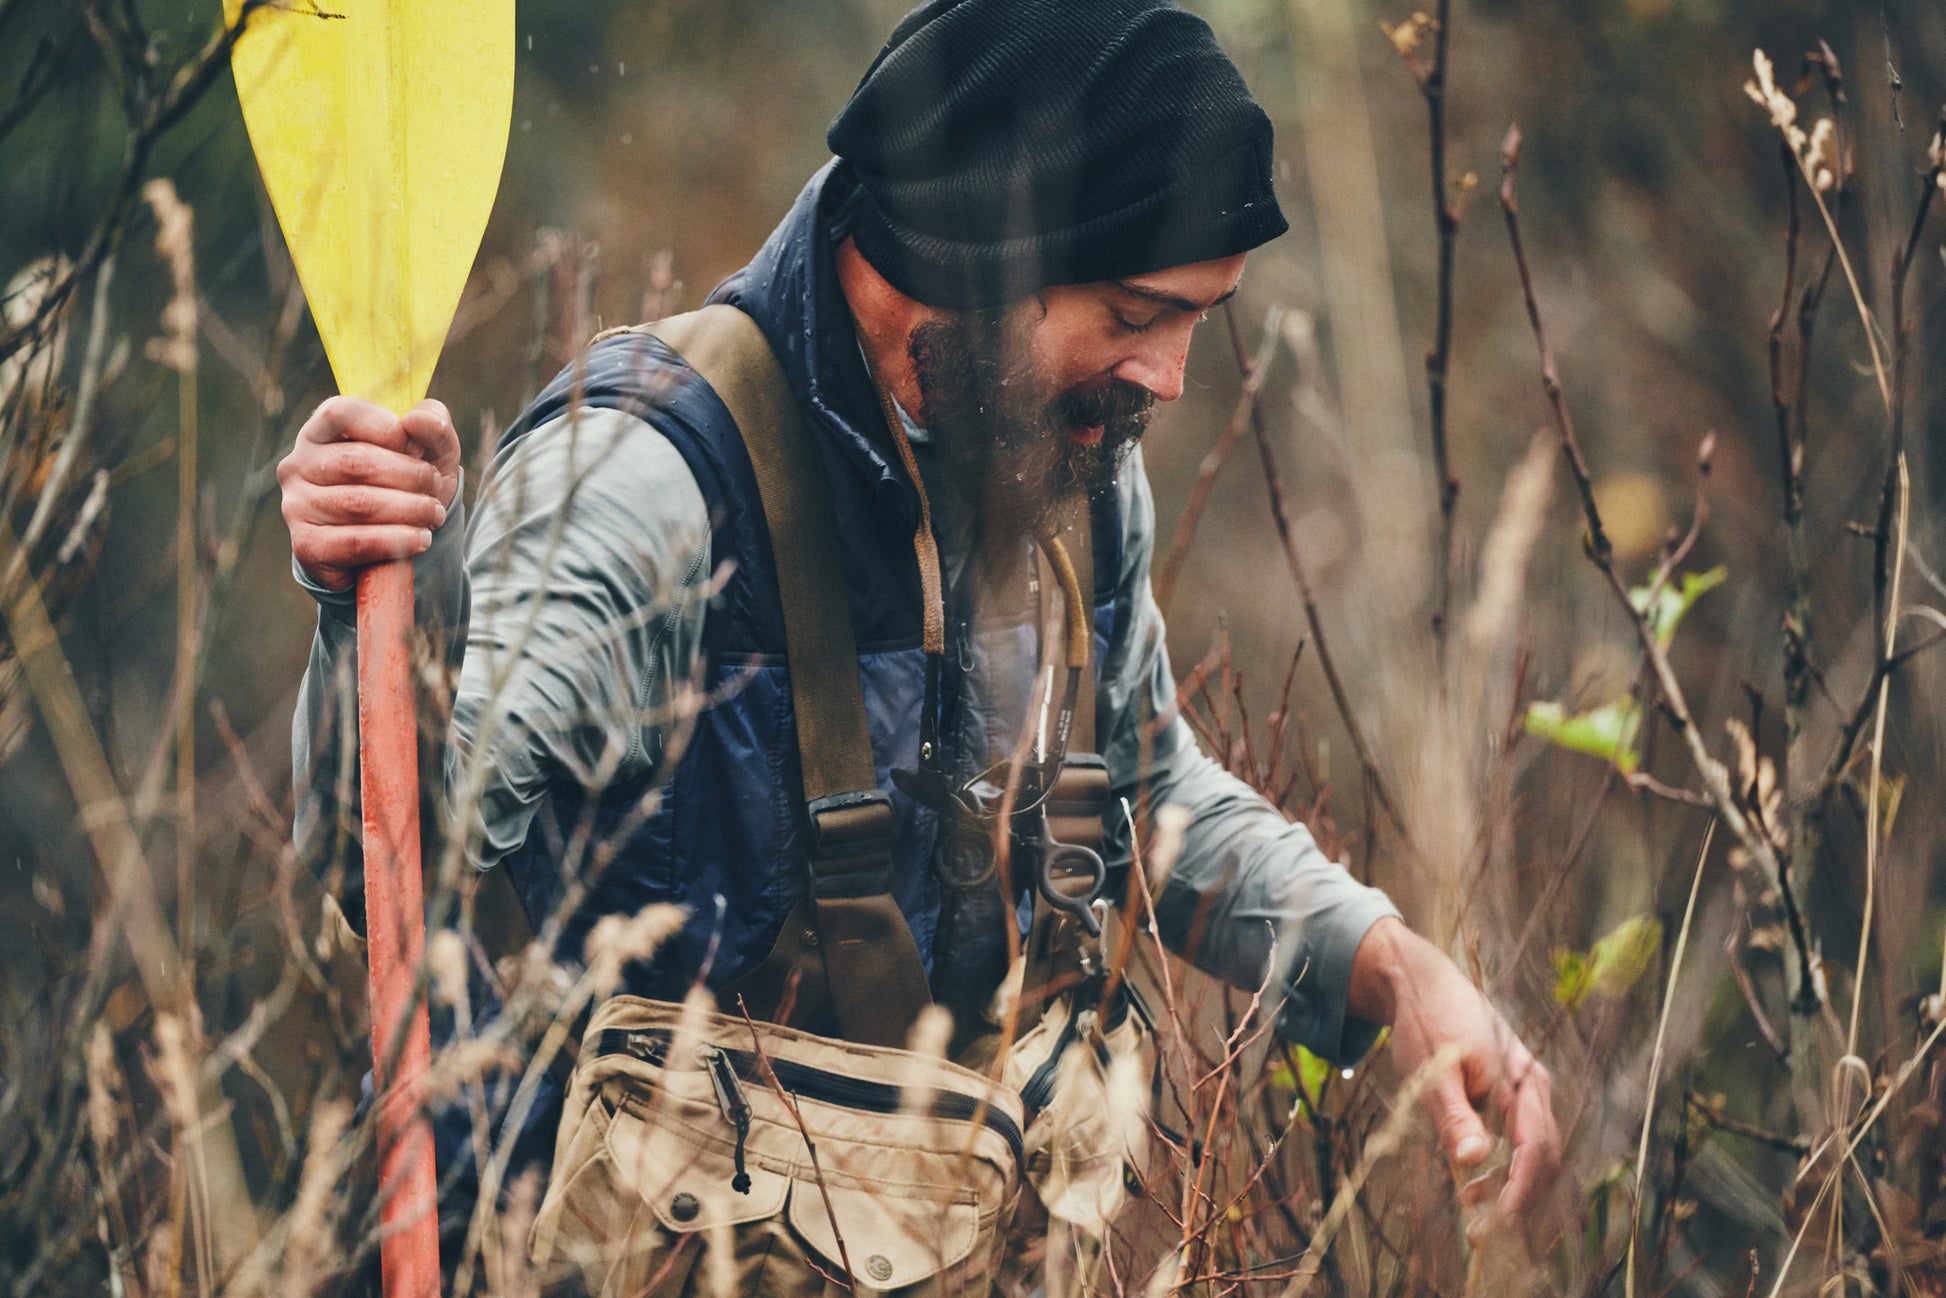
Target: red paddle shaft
(395, 930)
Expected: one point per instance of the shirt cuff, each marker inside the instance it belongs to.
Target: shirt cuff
(338, 605)
(1315, 1014)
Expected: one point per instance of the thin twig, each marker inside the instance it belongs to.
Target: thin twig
(1895, 403)
(1255, 370)
(810, 1146)
(1446, 221)
(1790, 458)
(1749, 1131)
(1274, 484)
(1655, 1055)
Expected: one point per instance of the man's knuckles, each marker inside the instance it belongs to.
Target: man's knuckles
(362, 504)
(331, 554)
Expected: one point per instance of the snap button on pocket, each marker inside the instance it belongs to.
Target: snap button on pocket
(684, 1207)
(879, 1267)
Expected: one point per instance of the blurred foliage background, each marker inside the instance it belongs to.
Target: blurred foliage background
(654, 144)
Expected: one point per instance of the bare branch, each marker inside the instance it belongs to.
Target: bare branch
(1716, 777)
(185, 88)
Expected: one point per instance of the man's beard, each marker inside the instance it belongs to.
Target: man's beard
(1002, 430)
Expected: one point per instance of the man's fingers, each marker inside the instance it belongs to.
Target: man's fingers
(1481, 1188)
(332, 554)
(363, 486)
(349, 419)
(360, 504)
(358, 463)
(430, 427)
(1461, 1132)
(1536, 1141)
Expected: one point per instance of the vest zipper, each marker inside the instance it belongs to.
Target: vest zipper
(817, 1084)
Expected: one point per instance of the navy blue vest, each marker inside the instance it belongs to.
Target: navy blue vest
(722, 830)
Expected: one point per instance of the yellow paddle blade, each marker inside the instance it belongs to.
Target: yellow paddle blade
(380, 127)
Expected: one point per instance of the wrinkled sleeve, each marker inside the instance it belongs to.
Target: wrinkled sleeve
(570, 612)
(1251, 898)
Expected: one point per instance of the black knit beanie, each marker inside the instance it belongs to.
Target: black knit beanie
(1004, 146)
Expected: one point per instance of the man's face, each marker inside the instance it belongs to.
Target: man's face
(1028, 401)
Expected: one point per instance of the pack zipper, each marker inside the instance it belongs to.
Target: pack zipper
(814, 1084)
(1038, 1089)
(729, 1098)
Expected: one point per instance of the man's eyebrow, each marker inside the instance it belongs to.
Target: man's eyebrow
(1170, 299)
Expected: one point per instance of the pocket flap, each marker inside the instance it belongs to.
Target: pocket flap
(682, 1165)
(893, 1240)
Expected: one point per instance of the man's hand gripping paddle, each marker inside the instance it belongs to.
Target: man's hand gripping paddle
(380, 127)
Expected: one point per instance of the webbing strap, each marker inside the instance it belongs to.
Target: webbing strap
(1077, 534)
(1079, 798)
(874, 976)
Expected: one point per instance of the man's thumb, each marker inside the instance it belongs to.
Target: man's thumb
(1461, 1132)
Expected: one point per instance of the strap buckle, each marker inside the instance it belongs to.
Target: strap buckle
(1079, 799)
(850, 844)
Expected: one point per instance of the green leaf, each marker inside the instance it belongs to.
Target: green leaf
(1307, 1083)
(1608, 732)
(1672, 602)
(1619, 960)
(1570, 977)
(1612, 966)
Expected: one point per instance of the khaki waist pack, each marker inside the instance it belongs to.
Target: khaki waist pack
(682, 1170)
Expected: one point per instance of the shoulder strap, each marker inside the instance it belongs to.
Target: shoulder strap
(875, 978)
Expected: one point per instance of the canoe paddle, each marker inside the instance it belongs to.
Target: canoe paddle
(380, 127)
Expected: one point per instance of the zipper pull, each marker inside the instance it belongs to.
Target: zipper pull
(736, 1111)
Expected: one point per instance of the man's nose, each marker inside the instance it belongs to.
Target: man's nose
(1157, 367)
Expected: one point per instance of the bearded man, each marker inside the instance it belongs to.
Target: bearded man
(975, 305)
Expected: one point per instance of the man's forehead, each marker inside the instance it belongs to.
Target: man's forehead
(1195, 287)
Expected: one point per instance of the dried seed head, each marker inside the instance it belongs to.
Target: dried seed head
(1780, 106)
(617, 939)
(307, 1257)
(1510, 543)
(467, 1063)
(174, 244)
(175, 1076)
(1171, 828)
(1820, 155)
(446, 958)
(107, 1093)
(35, 366)
(1405, 36)
(931, 1032)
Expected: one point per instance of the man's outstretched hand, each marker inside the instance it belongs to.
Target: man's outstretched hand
(363, 485)
(1496, 1084)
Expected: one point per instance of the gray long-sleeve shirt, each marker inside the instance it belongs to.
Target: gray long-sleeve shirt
(574, 609)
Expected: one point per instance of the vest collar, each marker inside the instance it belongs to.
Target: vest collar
(790, 288)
